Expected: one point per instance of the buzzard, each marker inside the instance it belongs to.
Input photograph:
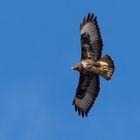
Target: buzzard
(91, 65)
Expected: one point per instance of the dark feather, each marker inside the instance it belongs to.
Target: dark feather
(88, 17)
(91, 18)
(84, 20)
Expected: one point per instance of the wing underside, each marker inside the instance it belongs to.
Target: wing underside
(87, 91)
(90, 35)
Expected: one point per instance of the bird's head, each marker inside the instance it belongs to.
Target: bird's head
(77, 67)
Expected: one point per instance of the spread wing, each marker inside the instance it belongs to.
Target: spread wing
(87, 91)
(91, 42)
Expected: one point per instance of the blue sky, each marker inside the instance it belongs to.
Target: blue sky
(39, 42)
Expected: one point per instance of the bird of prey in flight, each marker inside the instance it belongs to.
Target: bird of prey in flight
(91, 66)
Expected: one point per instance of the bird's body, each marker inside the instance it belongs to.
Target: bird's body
(91, 65)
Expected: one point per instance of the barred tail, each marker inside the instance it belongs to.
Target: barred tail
(107, 67)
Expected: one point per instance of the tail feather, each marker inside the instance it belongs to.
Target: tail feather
(107, 67)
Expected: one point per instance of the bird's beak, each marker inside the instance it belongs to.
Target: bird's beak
(72, 68)
(75, 67)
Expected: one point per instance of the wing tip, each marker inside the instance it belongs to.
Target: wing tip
(81, 112)
(84, 111)
(89, 18)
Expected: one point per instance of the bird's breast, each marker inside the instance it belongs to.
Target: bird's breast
(85, 63)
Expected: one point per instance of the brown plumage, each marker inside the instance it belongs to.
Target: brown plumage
(91, 66)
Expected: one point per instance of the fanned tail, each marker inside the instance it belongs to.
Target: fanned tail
(107, 67)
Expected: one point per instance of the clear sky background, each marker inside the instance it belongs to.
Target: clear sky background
(39, 42)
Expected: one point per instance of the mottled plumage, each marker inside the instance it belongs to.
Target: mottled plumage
(91, 65)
